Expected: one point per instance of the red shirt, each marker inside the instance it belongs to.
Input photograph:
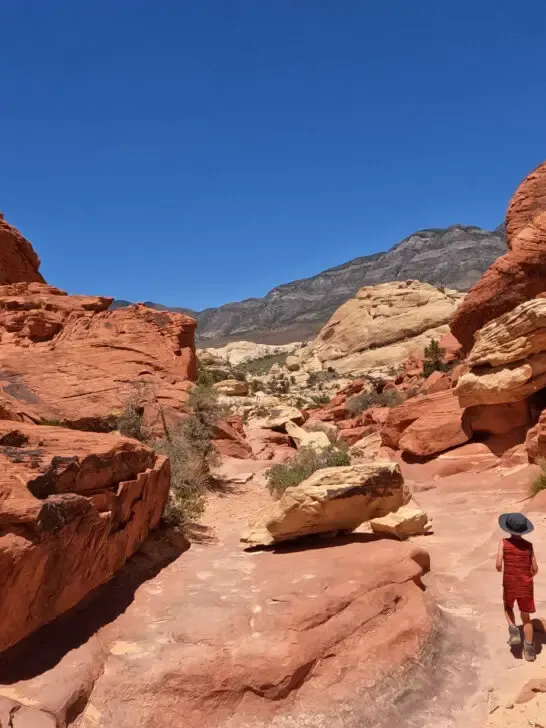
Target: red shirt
(518, 575)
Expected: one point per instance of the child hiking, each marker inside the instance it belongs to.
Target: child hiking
(520, 566)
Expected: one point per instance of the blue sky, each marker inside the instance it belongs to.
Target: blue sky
(195, 152)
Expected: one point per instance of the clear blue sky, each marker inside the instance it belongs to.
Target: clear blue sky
(194, 152)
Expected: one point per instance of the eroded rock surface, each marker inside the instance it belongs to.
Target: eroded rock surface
(75, 506)
(18, 260)
(382, 324)
(75, 362)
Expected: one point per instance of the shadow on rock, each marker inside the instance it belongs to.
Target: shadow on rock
(43, 649)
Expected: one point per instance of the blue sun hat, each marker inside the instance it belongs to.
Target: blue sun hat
(515, 523)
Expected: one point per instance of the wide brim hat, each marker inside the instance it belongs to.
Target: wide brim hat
(516, 524)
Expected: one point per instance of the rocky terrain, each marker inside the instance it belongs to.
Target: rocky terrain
(453, 257)
(341, 570)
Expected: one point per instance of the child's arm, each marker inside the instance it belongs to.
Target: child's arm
(500, 555)
(534, 565)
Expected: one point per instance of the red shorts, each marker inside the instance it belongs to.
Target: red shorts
(525, 604)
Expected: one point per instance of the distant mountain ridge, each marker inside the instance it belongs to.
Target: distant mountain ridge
(453, 257)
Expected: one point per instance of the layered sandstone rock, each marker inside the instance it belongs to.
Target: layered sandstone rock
(75, 506)
(426, 425)
(332, 499)
(75, 362)
(382, 325)
(18, 261)
(508, 360)
(516, 277)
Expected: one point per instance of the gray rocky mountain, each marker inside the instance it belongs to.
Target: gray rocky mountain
(453, 257)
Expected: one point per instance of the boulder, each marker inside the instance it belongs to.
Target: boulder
(332, 499)
(436, 382)
(75, 506)
(229, 442)
(76, 362)
(231, 388)
(516, 277)
(317, 441)
(18, 261)
(314, 425)
(292, 363)
(498, 419)
(426, 425)
(280, 415)
(370, 448)
(269, 444)
(241, 352)
(383, 324)
(402, 524)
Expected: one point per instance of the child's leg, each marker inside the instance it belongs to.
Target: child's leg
(527, 626)
(509, 614)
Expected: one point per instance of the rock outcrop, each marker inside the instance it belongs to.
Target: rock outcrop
(426, 425)
(382, 325)
(332, 499)
(517, 276)
(77, 363)
(18, 261)
(75, 506)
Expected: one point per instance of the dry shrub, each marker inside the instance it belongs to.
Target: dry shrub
(307, 461)
(190, 450)
(362, 402)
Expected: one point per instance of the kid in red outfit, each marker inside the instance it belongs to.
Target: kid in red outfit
(520, 567)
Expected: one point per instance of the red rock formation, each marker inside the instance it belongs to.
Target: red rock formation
(18, 261)
(498, 419)
(517, 276)
(436, 382)
(535, 443)
(75, 506)
(230, 442)
(426, 425)
(74, 361)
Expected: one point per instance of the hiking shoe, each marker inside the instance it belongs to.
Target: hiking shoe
(514, 636)
(529, 651)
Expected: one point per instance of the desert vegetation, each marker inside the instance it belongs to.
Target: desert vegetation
(286, 475)
(362, 402)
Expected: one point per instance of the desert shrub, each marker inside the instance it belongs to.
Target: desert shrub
(539, 482)
(362, 402)
(256, 385)
(319, 378)
(320, 399)
(129, 422)
(191, 452)
(278, 385)
(286, 475)
(207, 377)
(433, 360)
(262, 365)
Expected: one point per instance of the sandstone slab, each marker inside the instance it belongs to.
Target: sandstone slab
(18, 260)
(317, 441)
(332, 499)
(405, 522)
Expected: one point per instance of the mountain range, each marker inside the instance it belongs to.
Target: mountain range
(453, 257)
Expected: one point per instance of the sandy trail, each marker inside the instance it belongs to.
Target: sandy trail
(468, 591)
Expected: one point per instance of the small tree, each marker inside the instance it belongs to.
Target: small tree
(434, 359)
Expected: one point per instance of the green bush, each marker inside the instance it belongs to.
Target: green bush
(130, 420)
(191, 452)
(307, 461)
(261, 366)
(362, 402)
(433, 360)
(320, 399)
(539, 483)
